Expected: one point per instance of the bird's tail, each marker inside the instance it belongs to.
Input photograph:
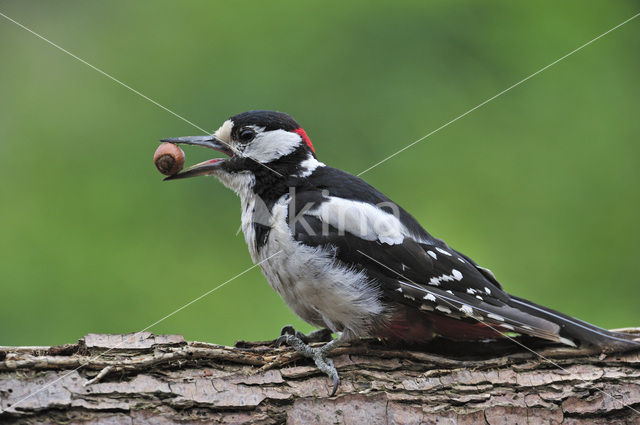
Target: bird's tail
(577, 331)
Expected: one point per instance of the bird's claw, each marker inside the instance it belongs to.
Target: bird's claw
(326, 365)
(287, 330)
(282, 339)
(318, 354)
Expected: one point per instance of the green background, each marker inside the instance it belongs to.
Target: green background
(540, 185)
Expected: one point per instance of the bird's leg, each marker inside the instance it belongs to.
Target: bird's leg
(318, 354)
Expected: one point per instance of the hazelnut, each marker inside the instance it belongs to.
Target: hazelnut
(169, 159)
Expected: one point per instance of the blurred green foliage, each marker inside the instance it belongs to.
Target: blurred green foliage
(541, 185)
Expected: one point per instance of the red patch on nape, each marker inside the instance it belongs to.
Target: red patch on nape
(300, 132)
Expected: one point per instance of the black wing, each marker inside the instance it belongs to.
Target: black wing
(421, 271)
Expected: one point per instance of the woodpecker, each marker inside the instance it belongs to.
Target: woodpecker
(345, 257)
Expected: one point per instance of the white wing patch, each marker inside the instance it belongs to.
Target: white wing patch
(361, 219)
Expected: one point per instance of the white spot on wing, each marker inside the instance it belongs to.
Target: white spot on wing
(495, 317)
(487, 290)
(429, 297)
(471, 291)
(455, 275)
(442, 251)
(466, 309)
(432, 254)
(443, 309)
(399, 289)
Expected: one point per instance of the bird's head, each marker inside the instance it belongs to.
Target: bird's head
(260, 145)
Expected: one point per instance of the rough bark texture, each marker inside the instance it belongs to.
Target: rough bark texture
(144, 378)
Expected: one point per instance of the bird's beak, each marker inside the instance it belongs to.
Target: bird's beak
(206, 167)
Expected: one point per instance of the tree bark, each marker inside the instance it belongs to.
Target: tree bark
(162, 379)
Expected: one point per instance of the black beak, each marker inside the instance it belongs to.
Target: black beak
(206, 167)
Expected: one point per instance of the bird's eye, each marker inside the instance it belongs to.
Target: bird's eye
(246, 135)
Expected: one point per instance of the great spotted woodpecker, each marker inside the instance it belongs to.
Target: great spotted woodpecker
(343, 256)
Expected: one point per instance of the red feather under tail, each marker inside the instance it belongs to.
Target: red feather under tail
(419, 327)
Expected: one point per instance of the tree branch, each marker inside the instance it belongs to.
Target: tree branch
(163, 379)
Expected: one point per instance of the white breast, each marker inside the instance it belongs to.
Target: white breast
(316, 287)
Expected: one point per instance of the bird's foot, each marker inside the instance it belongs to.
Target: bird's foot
(318, 354)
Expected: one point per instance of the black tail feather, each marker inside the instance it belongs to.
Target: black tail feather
(578, 331)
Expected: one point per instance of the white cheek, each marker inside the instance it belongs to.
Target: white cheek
(271, 145)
